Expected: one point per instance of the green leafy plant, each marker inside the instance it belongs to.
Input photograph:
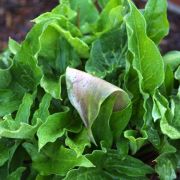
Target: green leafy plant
(88, 95)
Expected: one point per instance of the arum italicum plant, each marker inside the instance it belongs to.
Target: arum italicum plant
(88, 95)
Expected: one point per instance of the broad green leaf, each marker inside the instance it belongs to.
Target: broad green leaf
(169, 79)
(147, 62)
(111, 16)
(87, 93)
(25, 70)
(5, 66)
(78, 142)
(5, 147)
(66, 56)
(24, 110)
(9, 101)
(128, 166)
(53, 177)
(101, 127)
(12, 129)
(52, 86)
(166, 148)
(135, 141)
(96, 174)
(87, 174)
(55, 159)
(119, 121)
(156, 17)
(165, 169)
(156, 113)
(132, 87)
(122, 145)
(107, 53)
(177, 73)
(102, 3)
(117, 165)
(169, 122)
(153, 135)
(63, 38)
(63, 52)
(86, 13)
(80, 46)
(111, 166)
(172, 59)
(14, 46)
(43, 112)
(55, 126)
(166, 162)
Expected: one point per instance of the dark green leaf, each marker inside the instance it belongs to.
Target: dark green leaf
(107, 53)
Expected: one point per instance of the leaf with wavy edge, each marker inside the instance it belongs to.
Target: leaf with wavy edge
(147, 62)
(87, 93)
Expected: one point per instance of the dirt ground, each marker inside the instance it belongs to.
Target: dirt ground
(15, 16)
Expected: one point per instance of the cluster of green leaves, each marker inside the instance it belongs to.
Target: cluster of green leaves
(87, 95)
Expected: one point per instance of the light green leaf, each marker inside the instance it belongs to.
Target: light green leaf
(87, 174)
(86, 13)
(55, 126)
(147, 61)
(12, 129)
(102, 3)
(177, 73)
(135, 142)
(165, 169)
(59, 163)
(111, 16)
(156, 17)
(80, 46)
(43, 112)
(52, 86)
(62, 53)
(166, 162)
(78, 142)
(14, 46)
(24, 110)
(169, 122)
(172, 59)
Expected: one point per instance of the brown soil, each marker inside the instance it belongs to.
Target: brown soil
(15, 16)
